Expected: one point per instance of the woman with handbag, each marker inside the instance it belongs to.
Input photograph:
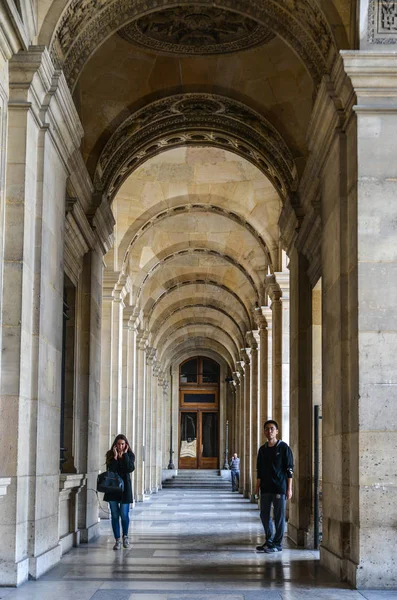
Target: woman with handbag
(121, 460)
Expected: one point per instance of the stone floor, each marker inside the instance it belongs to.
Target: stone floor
(189, 546)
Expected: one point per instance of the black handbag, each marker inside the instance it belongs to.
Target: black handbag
(109, 483)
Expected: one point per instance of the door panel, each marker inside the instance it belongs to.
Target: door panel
(188, 445)
(208, 458)
(199, 440)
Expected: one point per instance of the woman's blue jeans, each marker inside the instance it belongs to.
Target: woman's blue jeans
(119, 511)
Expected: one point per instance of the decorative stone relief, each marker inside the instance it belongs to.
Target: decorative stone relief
(87, 23)
(195, 30)
(195, 119)
(382, 22)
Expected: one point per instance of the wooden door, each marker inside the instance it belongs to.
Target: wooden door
(198, 439)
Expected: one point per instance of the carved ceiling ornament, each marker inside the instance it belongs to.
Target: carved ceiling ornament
(195, 30)
(195, 119)
(382, 22)
(86, 24)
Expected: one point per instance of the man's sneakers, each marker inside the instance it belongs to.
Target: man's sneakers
(273, 549)
(263, 548)
(268, 548)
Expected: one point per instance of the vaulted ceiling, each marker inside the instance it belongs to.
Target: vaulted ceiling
(195, 117)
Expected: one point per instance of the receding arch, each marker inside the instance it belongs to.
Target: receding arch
(201, 208)
(198, 344)
(198, 315)
(148, 310)
(200, 331)
(195, 119)
(198, 252)
(200, 302)
(192, 323)
(175, 309)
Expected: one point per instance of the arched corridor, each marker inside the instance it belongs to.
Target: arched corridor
(198, 233)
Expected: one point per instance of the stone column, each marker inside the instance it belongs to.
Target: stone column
(156, 424)
(116, 362)
(89, 458)
(283, 281)
(300, 524)
(267, 313)
(149, 421)
(241, 422)
(254, 410)
(140, 417)
(368, 419)
(263, 364)
(246, 355)
(127, 369)
(106, 343)
(274, 292)
(43, 133)
(161, 428)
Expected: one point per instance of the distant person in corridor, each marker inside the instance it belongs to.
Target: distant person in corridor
(235, 472)
(275, 466)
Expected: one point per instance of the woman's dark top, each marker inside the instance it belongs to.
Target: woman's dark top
(123, 466)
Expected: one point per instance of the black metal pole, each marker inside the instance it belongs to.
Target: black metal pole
(226, 464)
(316, 477)
(62, 458)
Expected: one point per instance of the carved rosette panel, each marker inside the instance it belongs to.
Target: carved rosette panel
(382, 22)
(195, 30)
(195, 119)
(86, 24)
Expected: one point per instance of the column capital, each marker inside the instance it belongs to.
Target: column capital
(245, 354)
(272, 287)
(260, 318)
(374, 79)
(267, 312)
(251, 340)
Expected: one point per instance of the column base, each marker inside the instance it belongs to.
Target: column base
(14, 574)
(90, 533)
(344, 569)
(300, 537)
(38, 565)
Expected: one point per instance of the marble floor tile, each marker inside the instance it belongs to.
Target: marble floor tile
(189, 546)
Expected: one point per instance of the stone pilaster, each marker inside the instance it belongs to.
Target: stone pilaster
(45, 132)
(368, 420)
(252, 338)
(301, 404)
(263, 369)
(149, 421)
(241, 420)
(140, 418)
(247, 440)
(274, 292)
(267, 313)
(283, 282)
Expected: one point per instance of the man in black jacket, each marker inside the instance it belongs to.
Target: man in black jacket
(275, 466)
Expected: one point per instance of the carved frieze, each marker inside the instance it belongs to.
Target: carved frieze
(195, 119)
(382, 22)
(195, 30)
(87, 23)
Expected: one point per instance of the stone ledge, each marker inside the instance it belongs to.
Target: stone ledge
(4, 483)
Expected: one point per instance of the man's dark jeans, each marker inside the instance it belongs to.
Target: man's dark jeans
(274, 532)
(235, 480)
